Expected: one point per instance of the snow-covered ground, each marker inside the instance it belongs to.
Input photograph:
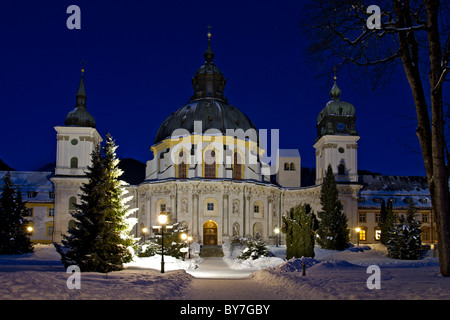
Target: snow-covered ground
(330, 275)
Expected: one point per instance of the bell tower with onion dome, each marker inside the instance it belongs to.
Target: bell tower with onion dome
(337, 138)
(75, 142)
(77, 138)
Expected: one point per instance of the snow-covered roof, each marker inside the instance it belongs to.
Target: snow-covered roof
(35, 186)
(289, 153)
(398, 189)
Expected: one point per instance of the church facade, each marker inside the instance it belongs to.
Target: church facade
(208, 170)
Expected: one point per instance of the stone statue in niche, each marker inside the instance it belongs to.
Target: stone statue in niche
(235, 229)
(184, 206)
(236, 206)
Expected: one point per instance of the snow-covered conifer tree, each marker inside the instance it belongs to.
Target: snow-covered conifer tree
(405, 240)
(13, 234)
(299, 226)
(100, 239)
(333, 230)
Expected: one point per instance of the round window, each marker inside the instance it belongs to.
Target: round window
(341, 150)
(74, 142)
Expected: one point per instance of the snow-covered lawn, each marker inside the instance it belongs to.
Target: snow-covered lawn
(344, 275)
(330, 275)
(40, 275)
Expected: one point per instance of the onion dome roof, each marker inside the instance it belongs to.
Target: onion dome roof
(336, 106)
(79, 116)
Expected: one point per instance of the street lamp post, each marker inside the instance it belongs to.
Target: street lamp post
(144, 230)
(277, 233)
(189, 246)
(162, 219)
(358, 230)
(184, 238)
(30, 231)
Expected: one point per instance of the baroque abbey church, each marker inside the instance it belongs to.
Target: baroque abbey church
(207, 169)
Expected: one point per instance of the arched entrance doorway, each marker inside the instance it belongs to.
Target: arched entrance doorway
(210, 233)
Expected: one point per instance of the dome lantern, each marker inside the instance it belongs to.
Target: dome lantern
(208, 81)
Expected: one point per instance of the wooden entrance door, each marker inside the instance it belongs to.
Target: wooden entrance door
(210, 233)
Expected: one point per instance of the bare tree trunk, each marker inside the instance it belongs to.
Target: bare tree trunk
(430, 133)
(438, 181)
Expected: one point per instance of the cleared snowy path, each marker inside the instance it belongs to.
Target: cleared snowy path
(214, 280)
(216, 268)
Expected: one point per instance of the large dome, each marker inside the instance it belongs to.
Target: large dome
(208, 105)
(213, 114)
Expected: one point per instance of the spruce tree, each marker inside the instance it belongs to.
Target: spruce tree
(7, 207)
(100, 240)
(299, 226)
(256, 248)
(13, 234)
(172, 239)
(22, 242)
(333, 230)
(387, 221)
(405, 241)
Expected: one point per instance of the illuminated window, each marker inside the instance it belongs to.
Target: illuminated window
(362, 234)
(51, 212)
(377, 234)
(424, 217)
(210, 206)
(286, 166)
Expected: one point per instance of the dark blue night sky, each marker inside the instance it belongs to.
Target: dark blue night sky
(140, 58)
